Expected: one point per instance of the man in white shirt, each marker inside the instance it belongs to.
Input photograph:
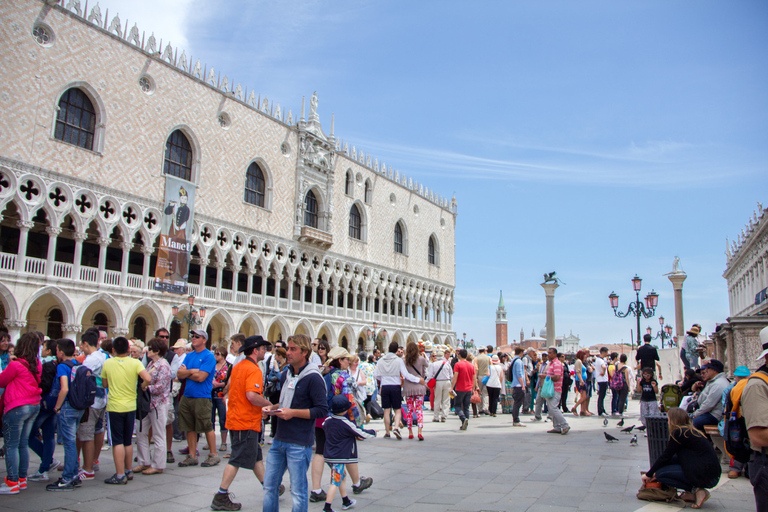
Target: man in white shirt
(88, 438)
(235, 342)
(388, 371)
(601, 377)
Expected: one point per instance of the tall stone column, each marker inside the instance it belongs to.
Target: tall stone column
(53, 233)
(21, 257)
(78, 258)
(549, 291)
(677, 277)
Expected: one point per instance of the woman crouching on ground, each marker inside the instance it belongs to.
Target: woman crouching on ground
(689, 462)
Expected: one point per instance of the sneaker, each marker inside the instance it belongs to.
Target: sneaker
(38, 477)
(565, 430)
(536, 418)
(84, 475)
(387, 435)
(8, 487)
(224, 502)
(464, 424)
(22, 483)
(281, 490)
(189, 461)
(210, 461)
(365, 482)
(518, 424)
(396, 433)
(223, 447)
(349, 505)
(114, 480)
(129, 474)
(442, 420)
(315, 497)
(169, 458)
(77, 482)
(554, 431)
(733, 474)
(56, 464)
(61, 486)
(185, 451)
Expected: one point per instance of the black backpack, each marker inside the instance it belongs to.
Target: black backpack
(143, 402)
(510, 373)
(82, 386)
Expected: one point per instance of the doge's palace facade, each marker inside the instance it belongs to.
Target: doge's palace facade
(295, 231)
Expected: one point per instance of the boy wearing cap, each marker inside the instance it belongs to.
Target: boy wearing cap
(195, 406)
(341, 437)
(246, 389)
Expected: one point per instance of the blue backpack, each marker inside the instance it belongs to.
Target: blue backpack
(82, 386)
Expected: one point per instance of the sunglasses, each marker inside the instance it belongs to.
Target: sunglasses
(196, 336)
(163, 336)
(218, 354)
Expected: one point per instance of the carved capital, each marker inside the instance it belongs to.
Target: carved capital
(120, 331)
(25, 224)
(16, 324)
(80, 237)
(126, 246)
(53, 231)
(72, 328)
(103, 242)
(235, 268)
(147, 251)
(220, 265)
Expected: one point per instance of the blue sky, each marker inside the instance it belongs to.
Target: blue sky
(597, 139)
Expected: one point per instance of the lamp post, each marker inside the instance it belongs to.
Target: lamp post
(636, 308)
(663, 329)
(192, 318)
(376, 334)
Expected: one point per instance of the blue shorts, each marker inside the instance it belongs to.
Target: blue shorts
(391, 397)
(337, 473)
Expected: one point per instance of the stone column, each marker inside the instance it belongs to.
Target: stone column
(549, 291)
(78, 258)
(21, 257)
(14, 328)
(53, 234)
(219, 275)
(249, 286)
(103, 244)
(71, 331)
(203, 272)
(677, 279)
(235, 279)
(126, 247)
(147, 252)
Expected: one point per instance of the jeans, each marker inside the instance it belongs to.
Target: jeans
(220, 407)
(295, 458)
(704, 419)
(518, 395)
(673, 476)
(758, 476)
(462, 402)
(45, 423)
(17, 424)
(684, 359)
(602, 389)
(69, 419)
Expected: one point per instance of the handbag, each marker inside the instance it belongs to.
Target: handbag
(485, 380)
(476, 399)
(431, 383)
(548, 388)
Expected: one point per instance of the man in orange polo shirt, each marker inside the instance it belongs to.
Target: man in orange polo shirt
(246, 387)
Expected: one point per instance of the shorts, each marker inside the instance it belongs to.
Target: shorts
(337, 473)
(121, 427)
(246, 450)
(195, 415)
(319, 440)
(92, 426)
(580, 386)
(391, 397)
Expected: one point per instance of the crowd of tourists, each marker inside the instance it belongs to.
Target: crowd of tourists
(311, 404)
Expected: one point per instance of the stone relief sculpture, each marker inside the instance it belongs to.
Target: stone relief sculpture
(168, 53)
(133, 35)
(676, 265)
(183, 61)
(74, 5)
(95, 16)
(115, 26)
(151, 44)
(313, 105)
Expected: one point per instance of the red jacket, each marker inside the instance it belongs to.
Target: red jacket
(21, 387)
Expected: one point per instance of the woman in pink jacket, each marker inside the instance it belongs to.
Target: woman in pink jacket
(21, 403)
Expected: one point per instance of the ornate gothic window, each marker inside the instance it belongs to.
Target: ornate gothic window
(355, 223)
(76, 119)
(178, 156)
(254, 185)
(310, 210)
(349, 183)
(432, 251)
(398, 238)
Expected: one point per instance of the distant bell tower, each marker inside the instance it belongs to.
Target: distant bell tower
(501, 323)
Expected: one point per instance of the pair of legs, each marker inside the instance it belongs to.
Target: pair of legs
(648, 409)
(90, 441)
(69, 419)
(45, 424)
(295, 458)
(17, 424)
(391, 398)
(602, 389)
(582, 400)
(673, 476)
(493, 399)
(246, 453)
(518, 395)
(337, 481)
(195, 418)
(121, 432)
(220, 407)
(156, 421)
(414, 409)
(558, 420)
(442, 399)
(462, 402)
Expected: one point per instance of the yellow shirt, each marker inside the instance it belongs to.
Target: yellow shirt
(121, 374)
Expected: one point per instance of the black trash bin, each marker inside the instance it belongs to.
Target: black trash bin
(657, 429)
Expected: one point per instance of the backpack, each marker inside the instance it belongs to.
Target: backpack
(143, 402)
(82, 386)
(510, 373)
(50, 392)
(657, 494)
(735, 428)
(617, 381)
(671, 396)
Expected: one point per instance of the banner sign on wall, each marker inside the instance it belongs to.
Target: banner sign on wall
(171, 271)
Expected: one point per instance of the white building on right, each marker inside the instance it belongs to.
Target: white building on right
(737, 341)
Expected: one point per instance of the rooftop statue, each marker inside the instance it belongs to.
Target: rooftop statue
(550, 278)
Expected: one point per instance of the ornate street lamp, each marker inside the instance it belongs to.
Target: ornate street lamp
(192, 318)
(663, 330)
(636, 308)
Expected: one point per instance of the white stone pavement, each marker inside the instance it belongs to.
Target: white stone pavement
(490, 467)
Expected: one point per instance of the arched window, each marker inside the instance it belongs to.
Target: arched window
(310, 210)
(55, 319)
(368, 192)
(348, 184)
(178, 156)
(254, 185)
(100, 320)
(76, 119)
(355, 223)
(432, 251)
(140, 328)
(398, 238)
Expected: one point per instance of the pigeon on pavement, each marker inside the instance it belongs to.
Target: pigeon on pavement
(633, 441)
(628, 429)
(621, 423)
(609, 437)
(641, 429)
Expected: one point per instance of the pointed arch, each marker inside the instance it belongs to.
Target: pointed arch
(158, 319)
(9, 303)
(327, 329)
(79, 100)
(304, 326)
(277, 326)
(253, 319)
(107, 299)
(58, 294)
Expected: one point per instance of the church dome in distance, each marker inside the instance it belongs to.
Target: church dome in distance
(543, 332)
